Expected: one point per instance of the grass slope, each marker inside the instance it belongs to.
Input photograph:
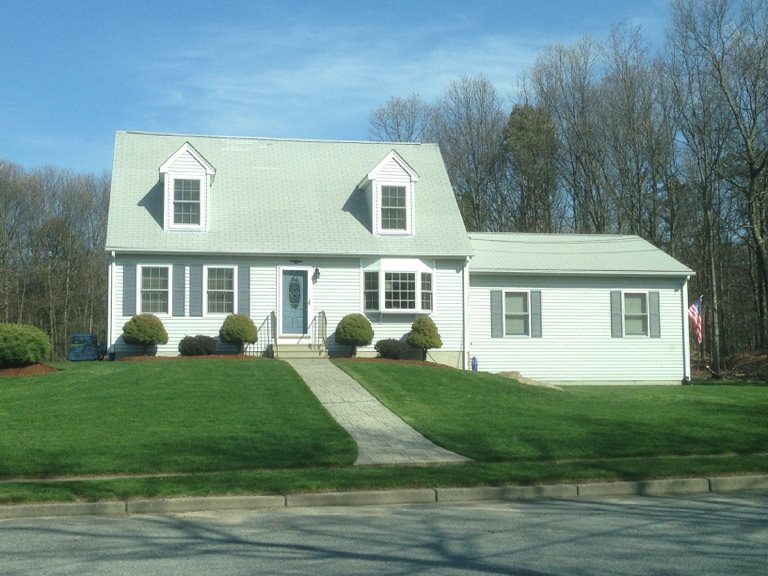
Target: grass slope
(490, 418)
(165, 416)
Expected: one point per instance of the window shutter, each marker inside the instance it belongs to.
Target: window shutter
(196, 290)
(178, 290)
(616, 324)
(497, 314)
(129, 289)
(655, 315)
(244, 290)
(535, 313)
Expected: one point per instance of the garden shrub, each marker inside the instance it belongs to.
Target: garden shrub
(354, 330)
(145, 330)
(197, 345)
(238, 329)
(424, 335)
(22, 344)
(391, 348)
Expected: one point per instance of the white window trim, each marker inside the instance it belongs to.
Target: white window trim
(384, 267)
(169, 206)
(408, 231)
(207, 314)
(504, 293)
(646, 295)
(140, 274)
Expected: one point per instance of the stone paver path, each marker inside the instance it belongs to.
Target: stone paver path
(381, 436)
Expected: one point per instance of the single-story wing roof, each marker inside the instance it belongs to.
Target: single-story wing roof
(593, 254)
(275, 196)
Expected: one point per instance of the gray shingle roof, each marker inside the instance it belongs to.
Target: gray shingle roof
(571, 254)
(276, 196)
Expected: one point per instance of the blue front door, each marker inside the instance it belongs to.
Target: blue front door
(294, 302)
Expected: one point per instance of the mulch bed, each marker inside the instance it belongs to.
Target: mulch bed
(32, 370)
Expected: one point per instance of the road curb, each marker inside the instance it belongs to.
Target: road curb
(204, 504)
(663, 487)
(62, 509)
(362, 498)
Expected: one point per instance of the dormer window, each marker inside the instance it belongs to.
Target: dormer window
(188, 178)
(394, 213)
(389, 189)
(186, 202)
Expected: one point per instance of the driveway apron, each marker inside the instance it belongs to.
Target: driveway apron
(381, 436)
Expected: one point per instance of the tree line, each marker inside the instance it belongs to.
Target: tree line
(53, 267)
(612, 137)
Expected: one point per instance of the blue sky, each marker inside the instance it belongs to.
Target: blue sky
(74, 71)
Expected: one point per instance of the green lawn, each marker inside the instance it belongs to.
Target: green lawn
(251, 426)
(165, 416)
(490, 418)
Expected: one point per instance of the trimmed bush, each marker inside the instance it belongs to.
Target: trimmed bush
(197, 345)
(238, 329)
(22, 344)
(145, 330)
(354, 330)
(391, 348)
(424, 335)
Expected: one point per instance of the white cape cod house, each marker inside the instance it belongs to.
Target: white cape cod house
(296, 234)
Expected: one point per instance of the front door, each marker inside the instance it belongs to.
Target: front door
(294, 303)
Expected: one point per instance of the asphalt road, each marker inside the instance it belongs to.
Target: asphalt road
(701, 535)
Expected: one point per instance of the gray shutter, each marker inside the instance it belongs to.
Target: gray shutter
(616, 320)
(535, 313)
(244, 290)
(655, 315)
(129, 289)
(497, 318)
(196, 290)
(178, 290)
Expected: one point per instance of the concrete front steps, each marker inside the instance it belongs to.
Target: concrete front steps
(287, 351)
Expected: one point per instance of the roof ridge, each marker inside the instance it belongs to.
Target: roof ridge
(273, 139)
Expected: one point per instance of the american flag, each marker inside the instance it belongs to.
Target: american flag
(696, 314)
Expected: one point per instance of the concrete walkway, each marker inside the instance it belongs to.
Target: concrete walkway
(382, 437)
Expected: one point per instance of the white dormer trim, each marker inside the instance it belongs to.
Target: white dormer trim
(191, 170)
(392, 172)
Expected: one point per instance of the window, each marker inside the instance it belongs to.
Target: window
(393, 209)
(221, 291)
(635, 314)
(426, 291)
(371, 290)
(400, 290)
(186, 202)
(398, 285)
(516, 317)
(154, 290)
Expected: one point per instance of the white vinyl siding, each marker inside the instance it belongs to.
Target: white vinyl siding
(186, 194)
(338, 291)
(393, 204)
(576, 343)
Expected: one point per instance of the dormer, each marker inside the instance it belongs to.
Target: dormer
(389, 190)
(187, 178)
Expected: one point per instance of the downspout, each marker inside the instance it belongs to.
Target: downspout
(110, 283)
(465, 325)
(686, 335)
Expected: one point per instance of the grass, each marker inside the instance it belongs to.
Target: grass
(210, 427)
(491, 419)
(165, 417)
